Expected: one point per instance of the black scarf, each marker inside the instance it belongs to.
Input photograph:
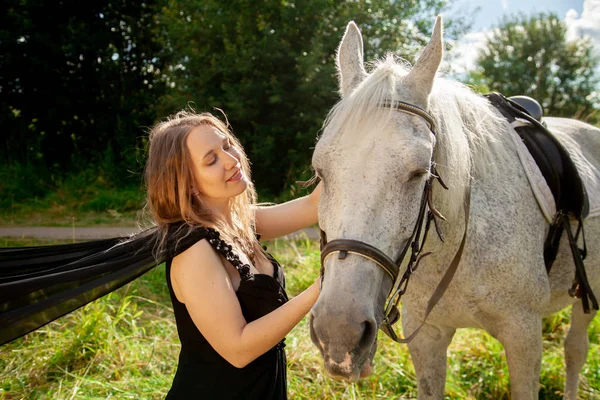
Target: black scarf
(41, 284)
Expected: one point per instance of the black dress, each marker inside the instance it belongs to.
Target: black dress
(202, 373)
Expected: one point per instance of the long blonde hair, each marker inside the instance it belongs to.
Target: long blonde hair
(170, 184)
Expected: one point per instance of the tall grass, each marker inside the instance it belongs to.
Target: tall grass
(88, 197)
(125, 346)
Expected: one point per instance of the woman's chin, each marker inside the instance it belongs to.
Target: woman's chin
(240, 187)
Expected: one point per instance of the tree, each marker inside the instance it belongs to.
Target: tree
(531, 56)
(77, 81)
(81, 81)
(271, 66)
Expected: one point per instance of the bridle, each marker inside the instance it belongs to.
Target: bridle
(415, 243)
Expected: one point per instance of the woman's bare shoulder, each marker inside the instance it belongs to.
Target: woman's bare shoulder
(200, 254)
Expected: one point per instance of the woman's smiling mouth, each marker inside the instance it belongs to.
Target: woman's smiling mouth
(236, 177)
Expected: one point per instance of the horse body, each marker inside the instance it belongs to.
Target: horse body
(583, 143)
(502, 285)
(374, 163)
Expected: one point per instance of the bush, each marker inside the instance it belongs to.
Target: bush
(20, 182)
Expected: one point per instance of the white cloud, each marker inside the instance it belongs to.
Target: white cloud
(465, 52)
(505, 4)
(588, 24)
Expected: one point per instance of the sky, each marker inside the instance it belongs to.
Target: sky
(581, 16)
(491, 11)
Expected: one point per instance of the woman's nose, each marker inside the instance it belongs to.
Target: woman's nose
(230, 160)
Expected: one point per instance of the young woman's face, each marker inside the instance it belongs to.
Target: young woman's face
(216, 164)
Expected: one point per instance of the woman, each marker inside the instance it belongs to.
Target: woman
(228, 294)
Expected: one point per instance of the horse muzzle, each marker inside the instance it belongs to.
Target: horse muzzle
(347, 342)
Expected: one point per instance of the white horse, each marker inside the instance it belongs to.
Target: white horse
(374, 162)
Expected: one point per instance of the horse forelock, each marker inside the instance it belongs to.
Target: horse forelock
(470, 133)
(360, 109)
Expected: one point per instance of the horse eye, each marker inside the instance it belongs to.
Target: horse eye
(417, 173)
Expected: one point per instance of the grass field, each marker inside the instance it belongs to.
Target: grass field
(87, 197)
(125, 346)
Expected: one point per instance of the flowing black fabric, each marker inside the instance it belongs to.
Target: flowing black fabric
(41, 284)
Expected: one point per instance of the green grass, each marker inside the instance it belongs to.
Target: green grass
(87, 198)
(119, 207)
(125, 346)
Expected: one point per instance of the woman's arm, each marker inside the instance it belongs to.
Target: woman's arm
(204, 286)
(285, 218)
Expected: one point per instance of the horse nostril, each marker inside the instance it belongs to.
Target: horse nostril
(368, 335)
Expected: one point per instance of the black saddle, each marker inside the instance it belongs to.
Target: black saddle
(531, 106)
(552, 158)
(562, 177)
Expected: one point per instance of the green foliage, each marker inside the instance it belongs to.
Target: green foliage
(477, 82)
(79, 86)
(271, 67)
(19, 182)
(88, 197)
(83, 90)
(125, 345)
(129, 199)
(531, 56)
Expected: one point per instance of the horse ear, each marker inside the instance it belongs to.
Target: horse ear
(350, 63)
(423, 73)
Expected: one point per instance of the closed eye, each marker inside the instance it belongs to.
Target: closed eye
(417, 173)
(227, 146)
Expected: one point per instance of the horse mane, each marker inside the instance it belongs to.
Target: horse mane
(470, 133)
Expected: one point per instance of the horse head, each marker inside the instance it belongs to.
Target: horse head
(374, 162)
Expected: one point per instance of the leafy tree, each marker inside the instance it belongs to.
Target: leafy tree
(270, 66)
(77, 81)
(531, 56)
(81, 80)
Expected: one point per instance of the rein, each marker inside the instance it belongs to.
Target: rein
(416, 242)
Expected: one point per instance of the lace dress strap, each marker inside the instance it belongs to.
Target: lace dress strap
(226, 250)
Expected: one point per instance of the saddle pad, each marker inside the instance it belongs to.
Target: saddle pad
(589, 176)
(555, 163)
(538, 184)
